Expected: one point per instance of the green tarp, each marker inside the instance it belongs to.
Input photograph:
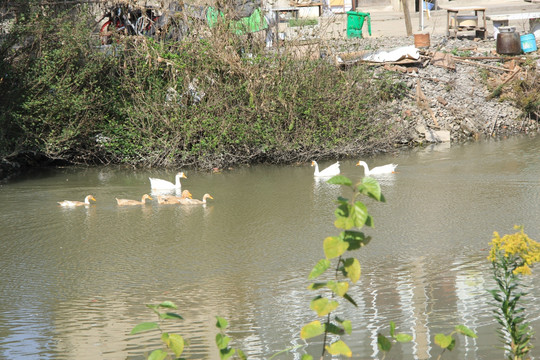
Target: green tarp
(253, 23)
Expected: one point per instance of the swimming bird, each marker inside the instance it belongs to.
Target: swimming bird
(199, 202)
(133, 202)
(171, 199)
(159, 184)
(384, 169)
(329, 171)
(70, 203)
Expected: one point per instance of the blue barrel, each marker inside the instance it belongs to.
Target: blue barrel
(528, 43)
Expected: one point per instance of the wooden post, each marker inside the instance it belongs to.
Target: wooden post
(408, 24)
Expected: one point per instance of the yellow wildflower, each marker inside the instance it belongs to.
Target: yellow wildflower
(522, 250)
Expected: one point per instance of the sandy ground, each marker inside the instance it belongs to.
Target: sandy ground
(388, 23)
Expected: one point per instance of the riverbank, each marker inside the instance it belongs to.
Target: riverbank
(209, 105)
(459, 88)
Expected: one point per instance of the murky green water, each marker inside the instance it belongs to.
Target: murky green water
(73, 282)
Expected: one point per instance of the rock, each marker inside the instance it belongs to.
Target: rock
(421, 129)
(438, 136)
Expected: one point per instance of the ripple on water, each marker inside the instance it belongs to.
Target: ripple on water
(77, 280)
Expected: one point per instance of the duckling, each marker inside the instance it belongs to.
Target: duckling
(199, 202)
(171, 199)
(133, 202)
(71, 203)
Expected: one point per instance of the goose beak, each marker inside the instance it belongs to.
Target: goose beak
(358, 163)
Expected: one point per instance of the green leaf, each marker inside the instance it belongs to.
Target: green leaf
(392, 328)
(241, 354)
(356, 239)
(340, 180)
(462, 329)
(145, 326)
(349, 216)
(339, 288)
(452, 344)
(359, 214)
(350, 299)
(168, 304)
(444, 341)
(224, 354)
(221, 323)
(343, 219)
(334, 246)
(403, 338)
(312, 329)
(175, 342)
(333, 329)
(339, 348)
(383, 343)
(370, 187)
(352, 267)
(320, 268)
(307, 357)
(222, 341)
(347, 326)
(323, 306)
(369, 221)
(170, 316)
(158, 355)
(316, 286)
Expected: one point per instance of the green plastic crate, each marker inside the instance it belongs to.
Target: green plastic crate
(355, 23)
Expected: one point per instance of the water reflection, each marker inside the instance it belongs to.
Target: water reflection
(81, 276)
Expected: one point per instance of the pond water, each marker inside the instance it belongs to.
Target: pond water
(74, 282)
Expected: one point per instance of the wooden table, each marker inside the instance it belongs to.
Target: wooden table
(452, 24)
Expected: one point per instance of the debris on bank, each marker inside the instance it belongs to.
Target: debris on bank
(456, 87)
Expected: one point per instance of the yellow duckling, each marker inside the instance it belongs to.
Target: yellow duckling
(133, 202)
(71, 203)
(199, 202)
(171, 199)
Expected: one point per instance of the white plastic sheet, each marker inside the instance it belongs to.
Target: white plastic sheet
(405, 52)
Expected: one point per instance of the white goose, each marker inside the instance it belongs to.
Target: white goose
(71, 203)
(159, 184)
(329, 171)
(384, 169)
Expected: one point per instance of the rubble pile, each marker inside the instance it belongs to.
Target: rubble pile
(450, 88)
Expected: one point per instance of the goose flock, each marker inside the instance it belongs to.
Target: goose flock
(334, 170)
(186, 198)
(156, 185)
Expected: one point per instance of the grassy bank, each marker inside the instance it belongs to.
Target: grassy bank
(212, 100)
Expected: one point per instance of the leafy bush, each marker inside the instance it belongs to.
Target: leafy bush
(212, 100)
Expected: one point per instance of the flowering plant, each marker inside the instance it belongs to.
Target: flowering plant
(512, 256)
